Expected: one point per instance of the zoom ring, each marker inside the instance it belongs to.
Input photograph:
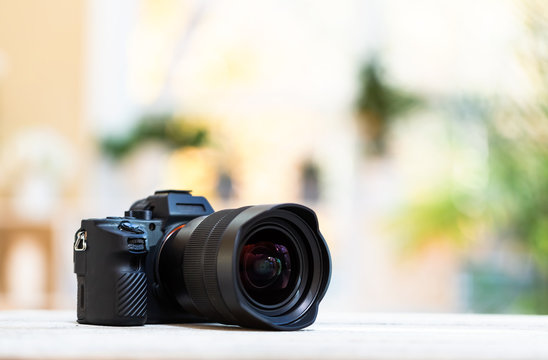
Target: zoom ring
(200, 265)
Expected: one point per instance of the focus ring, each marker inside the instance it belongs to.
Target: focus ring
(200, 265)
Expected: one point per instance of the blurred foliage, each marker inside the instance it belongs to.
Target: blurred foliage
(170, 131)
(519, 189)
(513, 203)
(379, 104)
(434, 218)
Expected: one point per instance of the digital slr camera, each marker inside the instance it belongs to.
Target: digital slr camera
(172, 259)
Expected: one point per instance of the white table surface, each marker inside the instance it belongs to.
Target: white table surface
(56, 335)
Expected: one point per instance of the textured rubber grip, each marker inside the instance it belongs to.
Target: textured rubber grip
(131, 292)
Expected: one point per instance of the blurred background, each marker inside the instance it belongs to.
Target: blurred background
(418, 131)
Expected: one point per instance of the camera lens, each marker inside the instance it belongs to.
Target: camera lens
(264, 266)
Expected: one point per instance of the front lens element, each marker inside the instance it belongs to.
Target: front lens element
(262, 264)
(266, 266)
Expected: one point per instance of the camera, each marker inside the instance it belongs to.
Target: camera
(172, 259)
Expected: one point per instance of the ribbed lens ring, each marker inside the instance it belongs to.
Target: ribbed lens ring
(200, 265)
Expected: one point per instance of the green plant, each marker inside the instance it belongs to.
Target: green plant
(379, 104)
(514, 202)
(512, 208)
(163, 128)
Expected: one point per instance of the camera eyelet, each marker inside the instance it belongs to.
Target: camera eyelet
(80, 243)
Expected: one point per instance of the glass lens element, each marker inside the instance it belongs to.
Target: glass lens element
(265, 264)
(269, 266)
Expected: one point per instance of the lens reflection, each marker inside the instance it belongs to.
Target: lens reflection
(266, 264)
(267, 271)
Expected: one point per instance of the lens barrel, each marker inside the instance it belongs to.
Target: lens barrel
(264, 266)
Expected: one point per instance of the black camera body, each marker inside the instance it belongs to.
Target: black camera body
(172, 259)
(115, 267)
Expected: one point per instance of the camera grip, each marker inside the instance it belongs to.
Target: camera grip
(131, 295)
(112, 282)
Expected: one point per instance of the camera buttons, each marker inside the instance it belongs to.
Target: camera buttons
(127, 226)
